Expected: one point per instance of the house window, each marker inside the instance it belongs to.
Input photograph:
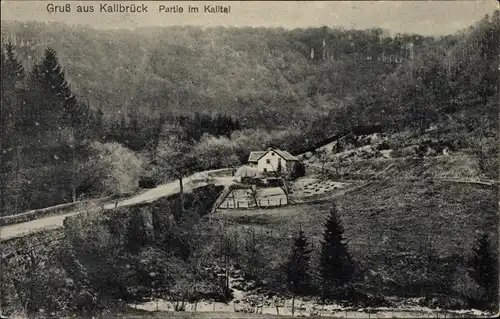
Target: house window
(272, 153)
(268, 161)
(265, 170)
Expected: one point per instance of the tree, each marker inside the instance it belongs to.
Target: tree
(484, 271)
(227, 248)
(50, 98)
(297, 268)
(60, 120)
(216, 152)
(252, 190)
(176, 156)
(12, 73)
(336, 266)
(323, 159)
(254, 261)
(113, 170)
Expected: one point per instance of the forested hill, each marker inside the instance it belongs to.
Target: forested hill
(267, 77)
(258, 88)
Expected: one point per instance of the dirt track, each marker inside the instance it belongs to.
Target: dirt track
(163, 190)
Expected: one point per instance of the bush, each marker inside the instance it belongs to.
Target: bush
(117, 169)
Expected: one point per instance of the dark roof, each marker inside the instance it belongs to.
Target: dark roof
(255, 156)
(287, 156)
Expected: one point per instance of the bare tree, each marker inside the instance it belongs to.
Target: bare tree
(228, 251)
(283, 182)
(254, 195)
(322, 158)
(177, 158)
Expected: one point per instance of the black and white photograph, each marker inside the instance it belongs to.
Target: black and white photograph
(249, 159)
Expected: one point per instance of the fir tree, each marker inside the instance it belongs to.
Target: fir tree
(336, 266)
(12, 70)
(12, 73)
(484, 271)
(297, 268)
(55, 98)
(60, 118)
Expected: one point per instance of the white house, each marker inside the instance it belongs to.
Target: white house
(272, 160)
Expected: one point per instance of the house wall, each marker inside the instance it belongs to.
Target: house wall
(273, 162)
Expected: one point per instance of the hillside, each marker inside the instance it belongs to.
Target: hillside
(410, 229)
(254, 73)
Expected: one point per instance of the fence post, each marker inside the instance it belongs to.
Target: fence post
(238, 204)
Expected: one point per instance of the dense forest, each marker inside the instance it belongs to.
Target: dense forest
(88, 113)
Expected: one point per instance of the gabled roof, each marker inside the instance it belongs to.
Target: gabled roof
(256, 155)
(287, 156)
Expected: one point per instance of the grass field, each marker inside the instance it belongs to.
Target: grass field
(395, 227)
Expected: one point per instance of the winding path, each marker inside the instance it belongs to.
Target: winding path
(51, 222)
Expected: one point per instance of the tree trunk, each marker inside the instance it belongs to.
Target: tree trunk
(181, 194)
(293, 305)
(3, 170)
(73, 177)
(227, 280)
(18, 177)
(254, 196)
(3, 194)
(284, 187)
(194, 289)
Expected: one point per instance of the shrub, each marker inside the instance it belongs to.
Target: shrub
(117, 169)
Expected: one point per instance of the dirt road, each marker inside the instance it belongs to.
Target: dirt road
(163, 190)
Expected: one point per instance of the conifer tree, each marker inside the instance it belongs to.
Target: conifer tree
(50, 93)
(54, 96)
(55, 112)
(12, 73)
(484, 271)
(297, 268)
(336, 266)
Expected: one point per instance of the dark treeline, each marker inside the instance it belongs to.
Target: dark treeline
(139, 132)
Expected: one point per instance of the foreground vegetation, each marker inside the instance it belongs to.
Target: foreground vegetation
(406, 238)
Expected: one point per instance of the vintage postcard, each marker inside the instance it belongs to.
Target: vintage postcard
(249, 159)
